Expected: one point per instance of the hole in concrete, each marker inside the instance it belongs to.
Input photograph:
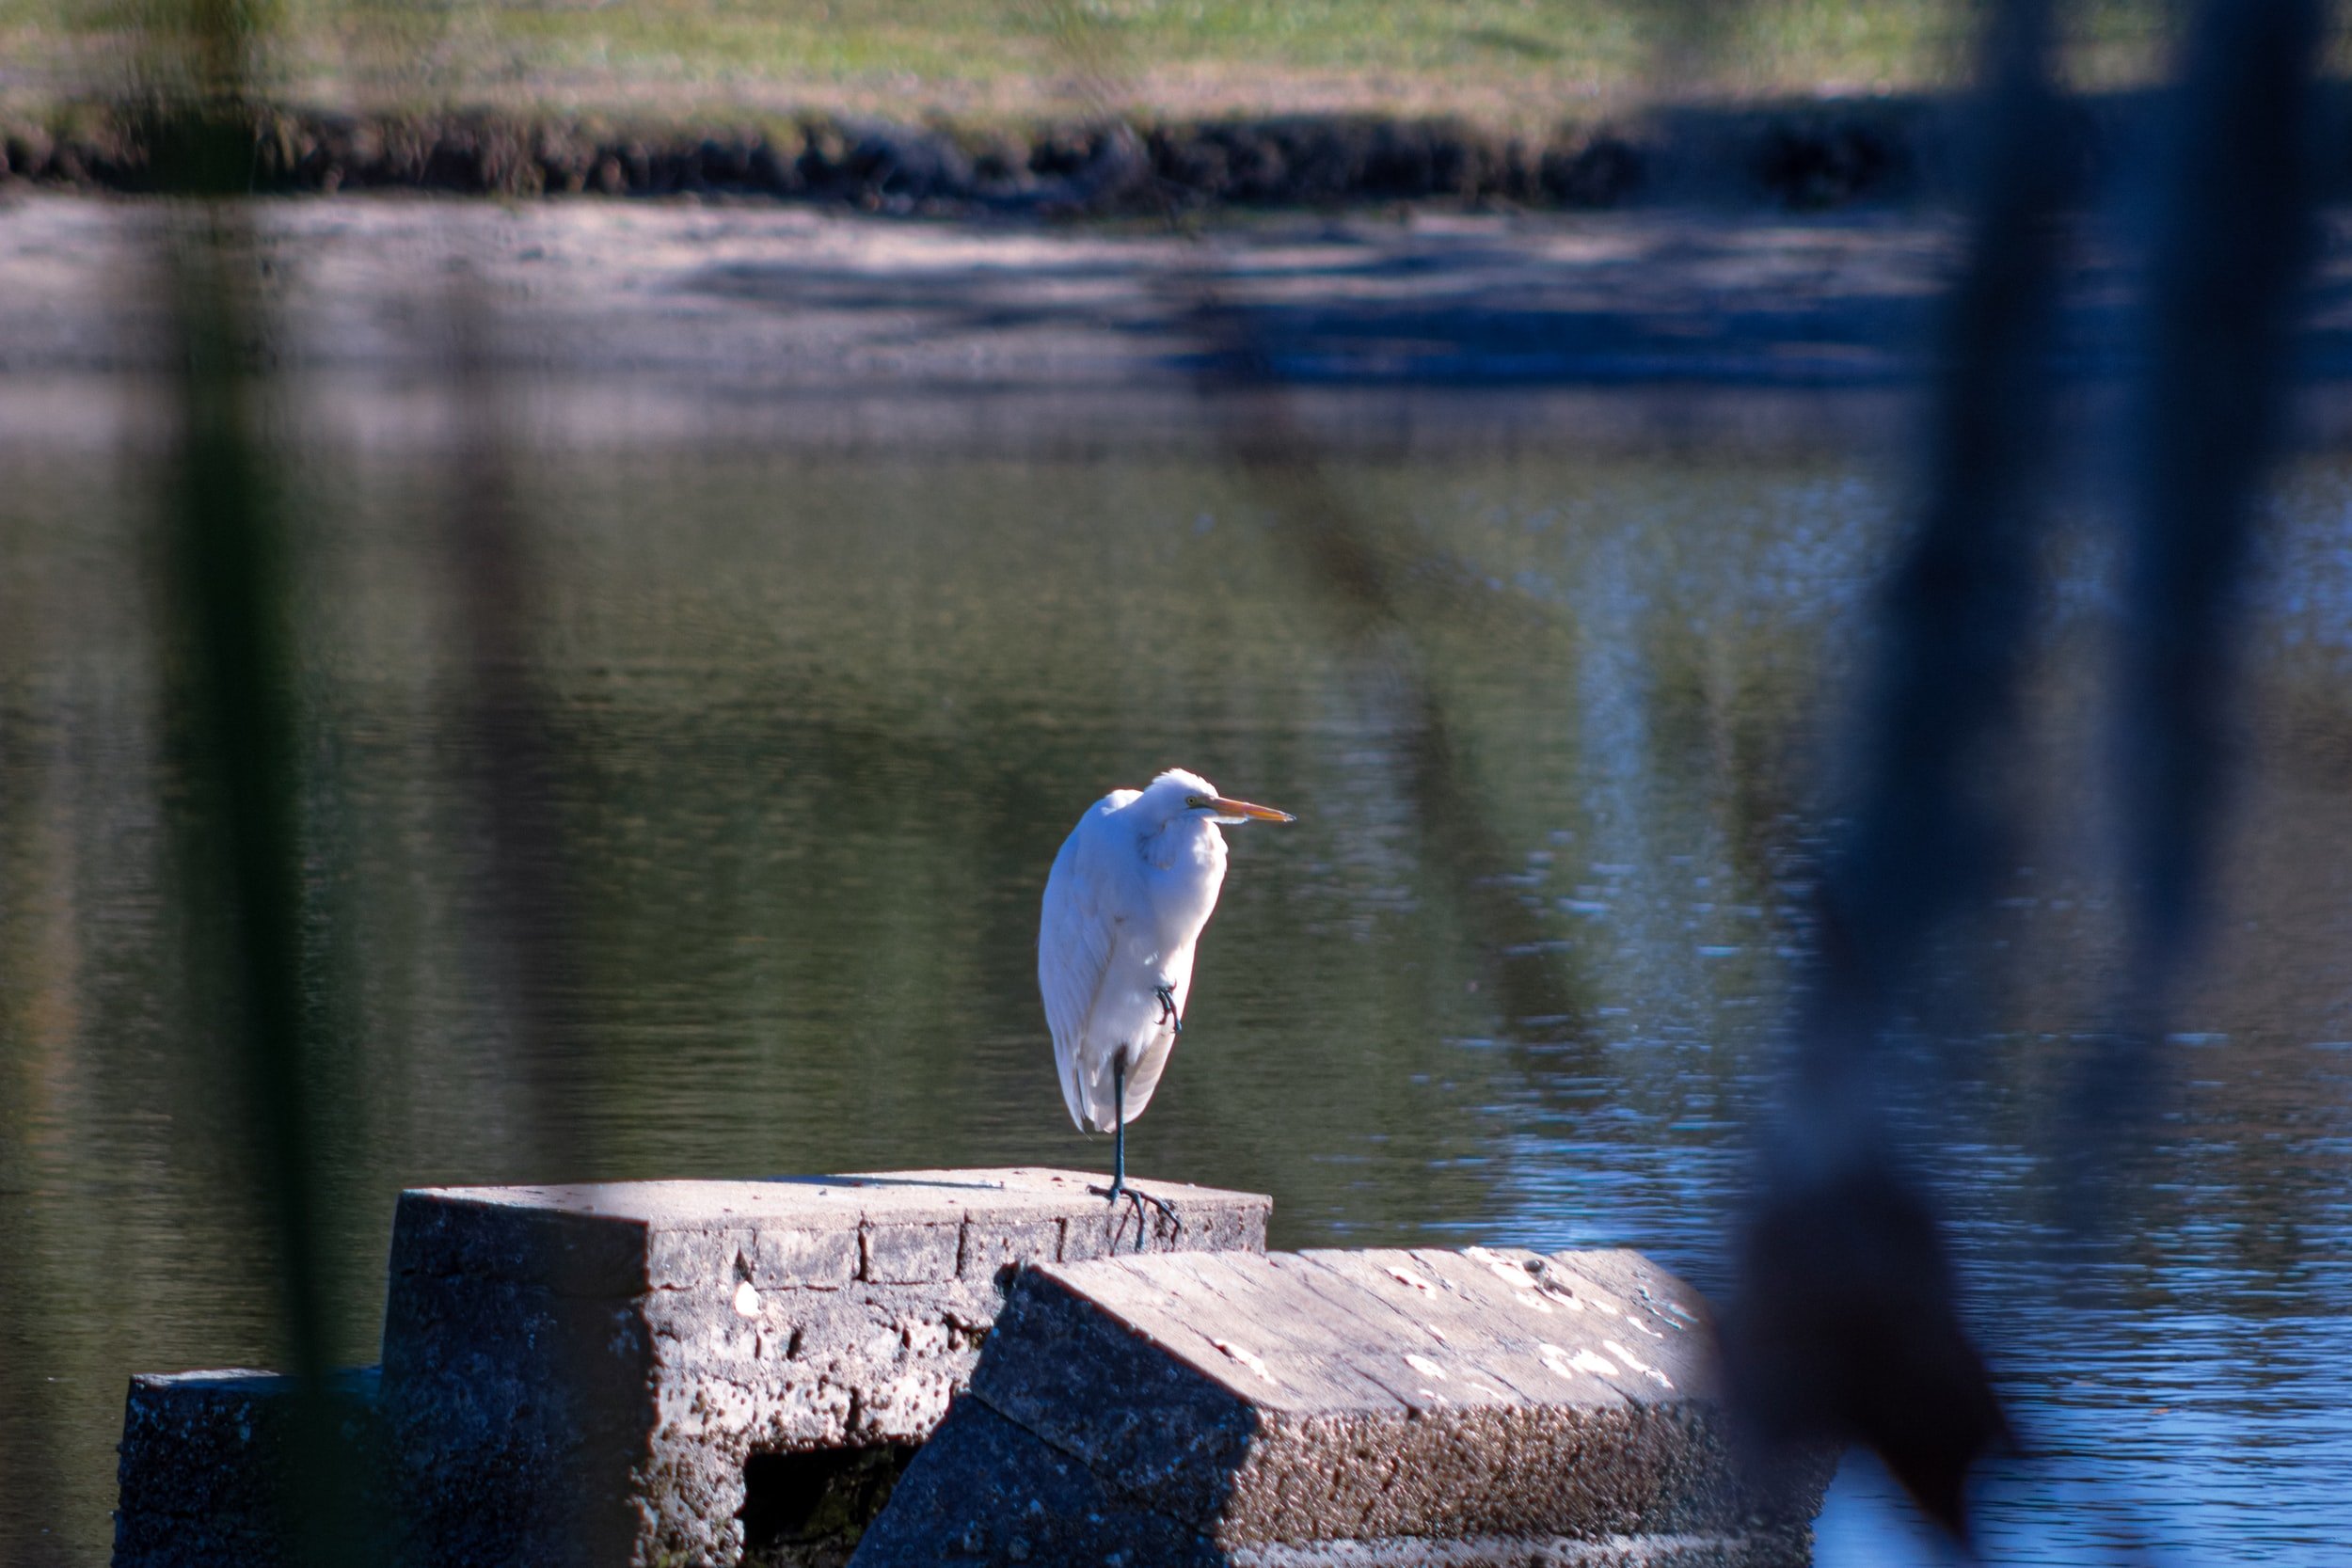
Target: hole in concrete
(807, 1509)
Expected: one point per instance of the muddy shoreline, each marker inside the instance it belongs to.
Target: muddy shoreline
(1800, 154)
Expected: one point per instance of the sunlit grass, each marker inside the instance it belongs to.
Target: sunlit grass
(1488, 59)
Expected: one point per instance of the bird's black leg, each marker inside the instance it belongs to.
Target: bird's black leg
(1119, 1132)
(1119, 1188)
(1169, 1015)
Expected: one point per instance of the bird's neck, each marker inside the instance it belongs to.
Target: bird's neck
(1186, 842)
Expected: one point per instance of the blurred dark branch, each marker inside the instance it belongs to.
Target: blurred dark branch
(1929, 829)
(227, 569)
(1844, 1328)
(39, 961)
(1247, 409)
(225, 572)
(1267, 447)
(1096, 63)
(1687, 40)
(2234, 244)
(509, 752)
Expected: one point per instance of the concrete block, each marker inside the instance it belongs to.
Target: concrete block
(804, 1259)
(203, 1456)
(987, 1254)
(686, 1372)
(910, 1254)
(1370, 1407)
(1558, 1551)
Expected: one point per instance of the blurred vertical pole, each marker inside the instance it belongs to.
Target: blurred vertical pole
(234, 697)
(521, 891)
(2235, 234)
(1844, 1328)
(509, 768)
(225, 572)
(40, 957)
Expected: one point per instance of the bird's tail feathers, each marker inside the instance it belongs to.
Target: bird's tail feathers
(1074, 1095)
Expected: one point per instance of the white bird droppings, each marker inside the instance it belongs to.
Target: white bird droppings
(1627, 1358)
(1425, 1366)
(1582, 1361)
(747, 1300)
(1248, 1359)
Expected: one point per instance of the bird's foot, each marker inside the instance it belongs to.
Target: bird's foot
(1142, 1200)
(1169, 1015)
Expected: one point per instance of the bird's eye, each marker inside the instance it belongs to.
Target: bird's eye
(1193, 802)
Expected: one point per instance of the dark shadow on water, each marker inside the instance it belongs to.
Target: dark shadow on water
(1694, 304)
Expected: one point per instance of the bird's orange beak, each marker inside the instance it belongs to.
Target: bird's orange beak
(1242, 808)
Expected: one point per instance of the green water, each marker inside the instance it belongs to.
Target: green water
(816, 724)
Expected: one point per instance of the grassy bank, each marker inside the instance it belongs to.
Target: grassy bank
(1500, 63)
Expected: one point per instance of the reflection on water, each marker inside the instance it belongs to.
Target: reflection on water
(821, 722)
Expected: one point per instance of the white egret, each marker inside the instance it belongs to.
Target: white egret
(1133, 884)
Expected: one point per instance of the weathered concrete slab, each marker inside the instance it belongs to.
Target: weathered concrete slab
(589, 1374)
(1374, 1407)
(203, 1456)
(1560, 1551)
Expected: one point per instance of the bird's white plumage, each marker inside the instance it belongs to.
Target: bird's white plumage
(1130, 892)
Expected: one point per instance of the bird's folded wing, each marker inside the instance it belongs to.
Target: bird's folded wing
(1073, 951)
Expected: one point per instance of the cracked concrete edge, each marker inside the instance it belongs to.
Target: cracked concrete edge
(1644, 1479)
(893, 1228)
